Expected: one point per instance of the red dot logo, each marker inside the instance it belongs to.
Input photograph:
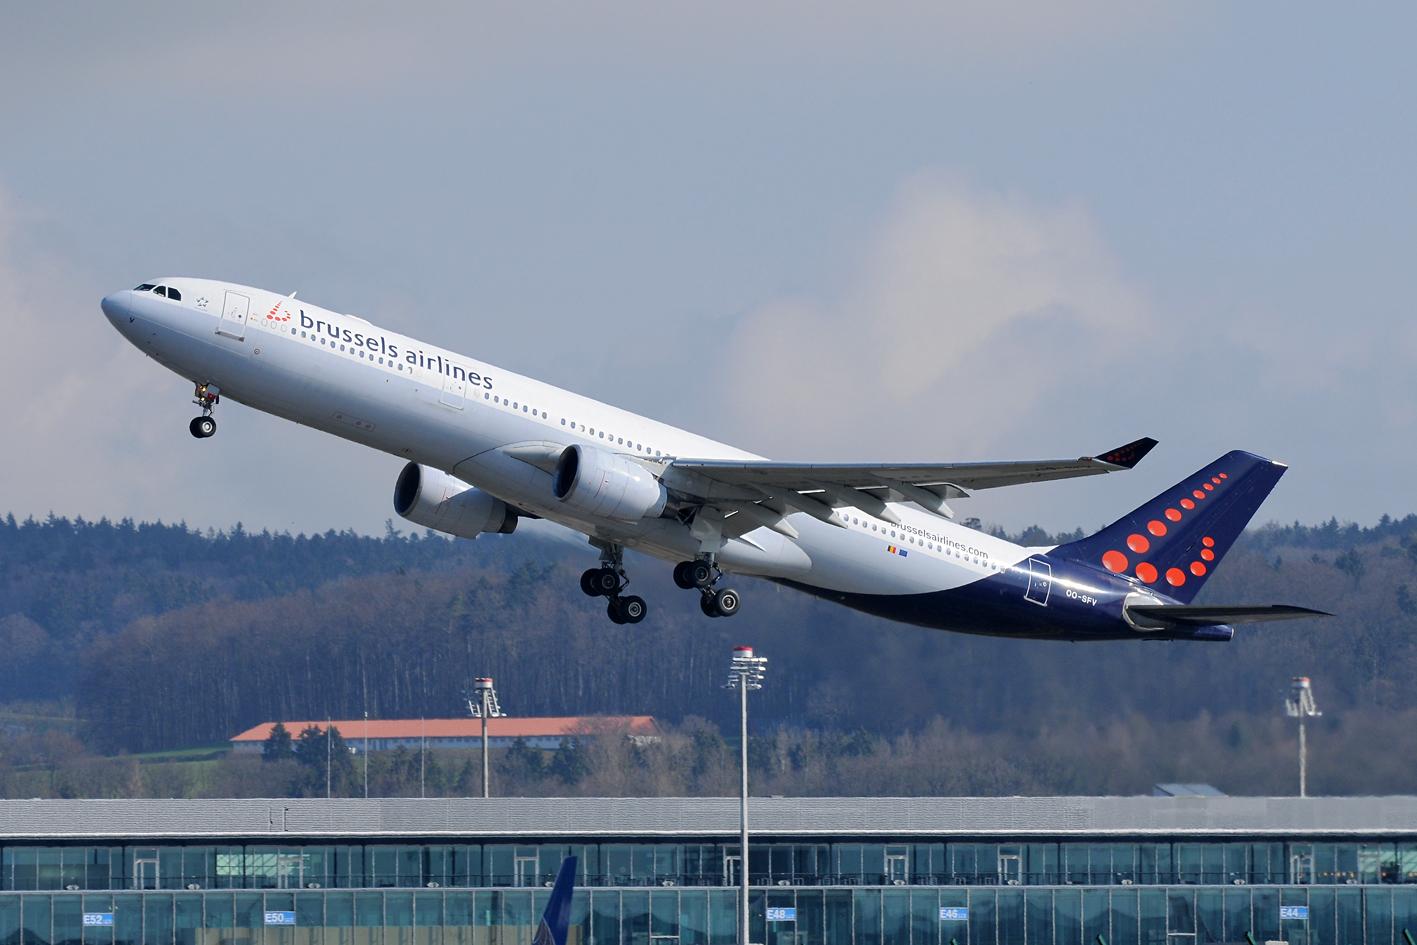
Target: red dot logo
(1187, 504)
(1138, 543)
(1223, 476)
(1215, 479)
(1208, 542)
(1198, 494)
(1207, 554)
(1197, 568)
(1114, 561)
(1173, 514)
(1146, 572)
(1175, 577)
(1209, 487)
(1156, 528)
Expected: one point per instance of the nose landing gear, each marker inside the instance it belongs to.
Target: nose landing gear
(608, 581)
(702, 574)
(206, 397)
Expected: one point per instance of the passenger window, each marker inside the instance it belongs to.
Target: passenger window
(160, 290)
(174, 294)
(145, 287)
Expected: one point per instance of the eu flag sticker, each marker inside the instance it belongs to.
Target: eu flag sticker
(896, 550)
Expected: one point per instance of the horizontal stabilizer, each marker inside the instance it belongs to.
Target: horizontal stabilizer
(1187, 615)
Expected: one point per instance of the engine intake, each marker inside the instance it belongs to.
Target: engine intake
(433, 499)
(598, 482)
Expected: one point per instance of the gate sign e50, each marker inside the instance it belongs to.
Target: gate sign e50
(98, 918)
(280, 918)
(1293, 912)
(954, 914)
(782, 915)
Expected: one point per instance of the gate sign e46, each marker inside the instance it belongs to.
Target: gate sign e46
(954, 914)
(1293, 912)
(782, 915)
(280, 918)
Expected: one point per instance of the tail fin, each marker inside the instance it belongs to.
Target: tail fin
(1174, 541)
(556, 920)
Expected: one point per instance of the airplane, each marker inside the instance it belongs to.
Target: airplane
(487, 447)
(556, 919)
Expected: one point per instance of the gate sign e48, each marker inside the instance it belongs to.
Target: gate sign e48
(782, 915)
(1293, 912)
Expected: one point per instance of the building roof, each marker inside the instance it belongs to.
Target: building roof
(595, 818)
(1186, 790)
(352, 729)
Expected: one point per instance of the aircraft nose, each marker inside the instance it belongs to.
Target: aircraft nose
(115, 306)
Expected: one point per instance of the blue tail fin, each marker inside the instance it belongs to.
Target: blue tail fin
(1175, 541)
(556, 920)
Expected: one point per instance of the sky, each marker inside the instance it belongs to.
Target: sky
(822, 232)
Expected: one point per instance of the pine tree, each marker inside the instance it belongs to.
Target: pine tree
(277, 746)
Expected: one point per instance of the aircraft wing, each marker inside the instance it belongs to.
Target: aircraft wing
(817, 489)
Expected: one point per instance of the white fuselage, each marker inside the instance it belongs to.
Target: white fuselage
(346, 376)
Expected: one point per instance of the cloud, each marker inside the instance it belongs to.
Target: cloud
(969, 313)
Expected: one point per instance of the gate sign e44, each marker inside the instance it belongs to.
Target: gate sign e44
(954, 914)
(98, 918)
(1293, 912)
(280, 918)
(782, 915)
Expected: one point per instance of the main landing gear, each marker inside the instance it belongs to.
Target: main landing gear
(608, 581)
(702, 574)
(205, 425)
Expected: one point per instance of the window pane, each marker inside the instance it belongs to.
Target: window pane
(1349, 909)
(723, 916)
(1124, 918)
(1237, 914)
(1067, 916)
(895, 917)
(1010, 915)
(634, 919)
(605, 917)
(1039, 917)
(1153, 917)
(866, 904)
(1094, 915)
(35, 928)
(981, 917)
(1378, 906)
(1210, 915)
(693, 917)
(68, 920)
(924, 917)
(837, 917)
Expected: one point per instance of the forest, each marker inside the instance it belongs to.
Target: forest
(123, 641)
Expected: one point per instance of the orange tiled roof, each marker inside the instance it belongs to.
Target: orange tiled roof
(462, 728)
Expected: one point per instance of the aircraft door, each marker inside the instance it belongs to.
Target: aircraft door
(234, 311)
(453, 391)
(1040, 581)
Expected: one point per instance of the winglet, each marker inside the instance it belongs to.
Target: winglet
(1127, 456)
(556, 920)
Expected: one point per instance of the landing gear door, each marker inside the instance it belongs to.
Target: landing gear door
(234, 311)
(1040, 582)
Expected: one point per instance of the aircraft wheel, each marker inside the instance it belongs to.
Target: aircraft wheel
(632, 608)
(707, 605)
(726, 602)
(588, 582)
(202, 427)
(681, 575)
(612, 610)
(700, 573)
(605, 581)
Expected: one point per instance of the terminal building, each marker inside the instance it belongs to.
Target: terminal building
(662, 871)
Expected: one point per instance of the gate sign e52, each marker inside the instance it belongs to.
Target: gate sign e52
(782, 915)
(954, 914)
(1293, 912)
(98, 918)
(280, 918)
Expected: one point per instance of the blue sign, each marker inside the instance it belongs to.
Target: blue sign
(954, 914)
(1293, 912)
(98, 918)
(782, 915)
(280, 918)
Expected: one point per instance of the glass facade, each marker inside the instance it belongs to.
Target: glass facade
(953, 915)
(390, 866)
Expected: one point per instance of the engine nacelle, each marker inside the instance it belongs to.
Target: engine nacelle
(433, 499)
(601, 483)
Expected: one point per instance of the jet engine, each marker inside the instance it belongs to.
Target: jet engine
(601, 483)
(433, 499)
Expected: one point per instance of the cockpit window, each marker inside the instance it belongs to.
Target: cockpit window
(173, 294)
(145, 287)
(160, 290)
